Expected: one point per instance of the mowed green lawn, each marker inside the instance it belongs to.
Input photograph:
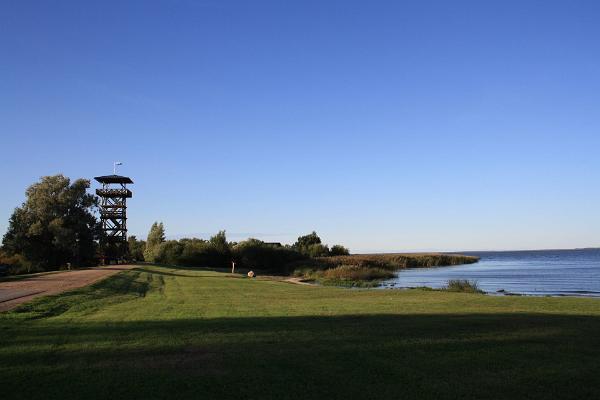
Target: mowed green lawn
(176, 333)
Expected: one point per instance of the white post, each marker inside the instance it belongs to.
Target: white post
(233, 267)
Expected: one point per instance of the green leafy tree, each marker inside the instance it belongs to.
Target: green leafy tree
(136, 248)
(55, 225)
(219, 242)
(316, 250)
(156, 236)
(168, 252)
(256, 254)
(307, 240)
(311, 245)
(339, 250)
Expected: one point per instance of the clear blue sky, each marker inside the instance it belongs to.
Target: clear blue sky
(384, 126)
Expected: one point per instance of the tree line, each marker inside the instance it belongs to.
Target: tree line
(218, 252)
(57, 226)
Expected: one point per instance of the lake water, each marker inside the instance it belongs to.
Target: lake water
(548, 272)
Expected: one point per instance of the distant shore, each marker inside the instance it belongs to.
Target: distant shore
(369, 270)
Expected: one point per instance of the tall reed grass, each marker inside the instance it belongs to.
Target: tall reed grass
(370, 267)
(462, 285)
(398, 261)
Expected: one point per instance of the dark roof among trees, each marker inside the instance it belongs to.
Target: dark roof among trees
(113, 179)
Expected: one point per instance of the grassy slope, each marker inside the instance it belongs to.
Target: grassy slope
(159, 332)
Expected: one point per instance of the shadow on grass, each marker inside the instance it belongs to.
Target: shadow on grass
(434, 356)
(376, 356)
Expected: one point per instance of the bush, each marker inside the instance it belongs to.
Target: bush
(218, 253)
(136, 248)
(213, 253)
(254, 253)
(346, 275)
(17, 264)
(307, 240)
(168, 252)
(203, 253)
(339, 250)
(352, 272)
(317, 250)
(464, 286)
(311, 246)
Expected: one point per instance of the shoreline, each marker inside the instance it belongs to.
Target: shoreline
(493, 294)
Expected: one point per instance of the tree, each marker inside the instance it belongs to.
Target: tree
(156, 236)
(316, 250)
(339, 250)
(168, 252)
(136, 248)
(307, 240)
(256, 254)
(219, 242)
(310, 245)
(55, 225)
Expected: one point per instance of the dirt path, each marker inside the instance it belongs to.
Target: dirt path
(13, 293)
(298, 281)
(294, 280)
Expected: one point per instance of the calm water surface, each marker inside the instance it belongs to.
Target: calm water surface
(548, 272)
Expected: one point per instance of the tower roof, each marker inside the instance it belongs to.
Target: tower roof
(113, 179)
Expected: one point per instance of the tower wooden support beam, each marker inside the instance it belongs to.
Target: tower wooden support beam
(113, 216)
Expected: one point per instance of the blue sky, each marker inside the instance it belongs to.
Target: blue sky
(385, 126)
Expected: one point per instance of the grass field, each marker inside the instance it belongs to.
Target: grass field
(176, 333)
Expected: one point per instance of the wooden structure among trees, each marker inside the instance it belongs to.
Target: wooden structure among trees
(113, 216)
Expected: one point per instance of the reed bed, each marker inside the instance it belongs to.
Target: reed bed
(463, 286)
(398, 261)
(370, 269)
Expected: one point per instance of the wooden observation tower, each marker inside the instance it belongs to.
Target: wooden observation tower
(113, 216)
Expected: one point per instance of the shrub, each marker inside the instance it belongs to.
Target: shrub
(317, 250)
(311, 246)
(136, 248)
(307, 240)
(346, 275)
(339, 250)
(254, 253)
(462, 285)
(17, 264)
(353, 272)
(203, 253)
(168, 252)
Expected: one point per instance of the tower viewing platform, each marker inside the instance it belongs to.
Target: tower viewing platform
(113, 215)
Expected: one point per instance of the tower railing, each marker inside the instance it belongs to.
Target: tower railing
(113, 216)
